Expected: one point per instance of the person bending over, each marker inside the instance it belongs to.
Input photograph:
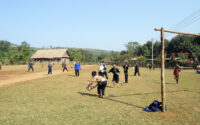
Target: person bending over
(101, 84)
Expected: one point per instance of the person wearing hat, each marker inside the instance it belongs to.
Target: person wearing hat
(101, 84)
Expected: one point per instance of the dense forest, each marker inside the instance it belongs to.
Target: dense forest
(184, 48)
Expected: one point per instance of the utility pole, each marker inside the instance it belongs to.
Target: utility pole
(163, 61)
(152, 53)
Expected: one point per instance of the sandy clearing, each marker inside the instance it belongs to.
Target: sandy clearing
(8, 78)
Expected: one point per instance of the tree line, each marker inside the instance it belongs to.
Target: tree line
(13, 54)
(183, 47)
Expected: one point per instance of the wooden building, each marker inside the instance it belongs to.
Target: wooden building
(51, 55)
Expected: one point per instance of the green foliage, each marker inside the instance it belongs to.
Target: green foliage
(15, 54)
(141, 59)
(131, 48)
(183, 57)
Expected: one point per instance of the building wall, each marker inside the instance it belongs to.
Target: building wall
(55, 61)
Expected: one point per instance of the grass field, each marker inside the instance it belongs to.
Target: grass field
(63, 100)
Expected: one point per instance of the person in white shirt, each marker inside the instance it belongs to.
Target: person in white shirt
(101, 69)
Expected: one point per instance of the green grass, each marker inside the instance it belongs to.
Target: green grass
(63, 99)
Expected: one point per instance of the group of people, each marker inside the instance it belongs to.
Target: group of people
(101, 78)
(101, 82)
(77, 67)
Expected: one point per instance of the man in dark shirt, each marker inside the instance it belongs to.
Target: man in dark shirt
(126, 72)
(137, 69)
(115, 72)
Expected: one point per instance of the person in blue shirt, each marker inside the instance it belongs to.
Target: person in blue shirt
(77, 67)
(30, 66)
(50, 69)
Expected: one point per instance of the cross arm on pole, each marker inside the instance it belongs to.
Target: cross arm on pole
(170, 31)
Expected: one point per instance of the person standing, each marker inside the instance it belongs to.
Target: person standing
(137, 69)
(65, 67)
(126, 72)
(177, 69)
(77, 67)
(100, 70)
(115, 72)
(30, 66)
(105, 70)
(101, 84)
(50, 68)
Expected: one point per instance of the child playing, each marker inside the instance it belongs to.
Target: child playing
(126, 72)
(65, 67)
(50, 69)
(77, 67)
(115, 72)
(177, 69)
(101, 84)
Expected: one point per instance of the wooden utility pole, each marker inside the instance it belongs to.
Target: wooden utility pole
(163, 61)
(163, 70)
(152, 54)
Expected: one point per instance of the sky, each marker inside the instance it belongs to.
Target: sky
(98, 24)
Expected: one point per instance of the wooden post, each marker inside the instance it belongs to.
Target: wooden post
(163, 70)
(152, 54)
(163, 61)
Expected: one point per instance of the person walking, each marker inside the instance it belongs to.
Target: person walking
(77, 67)
(137, 69)
(50, 69)
(65, 67)
(177, 69)
(126, 72)
(30, 66)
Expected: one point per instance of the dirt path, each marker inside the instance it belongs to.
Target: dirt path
(10, 78)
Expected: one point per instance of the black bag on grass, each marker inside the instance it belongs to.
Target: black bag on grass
(155, 106)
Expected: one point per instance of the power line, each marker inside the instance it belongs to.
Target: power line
(187, 21)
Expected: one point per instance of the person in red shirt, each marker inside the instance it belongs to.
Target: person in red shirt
(177, 69)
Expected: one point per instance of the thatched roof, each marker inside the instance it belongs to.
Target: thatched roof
(51, 53)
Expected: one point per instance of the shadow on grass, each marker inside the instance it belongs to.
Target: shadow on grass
(157, 92)
(110, 99)
(88, 94)
(109, 86)
(71, 75)
(170, 83)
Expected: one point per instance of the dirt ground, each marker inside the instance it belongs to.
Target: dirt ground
(12, 77)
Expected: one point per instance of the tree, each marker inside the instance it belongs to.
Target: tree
(131, 49)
